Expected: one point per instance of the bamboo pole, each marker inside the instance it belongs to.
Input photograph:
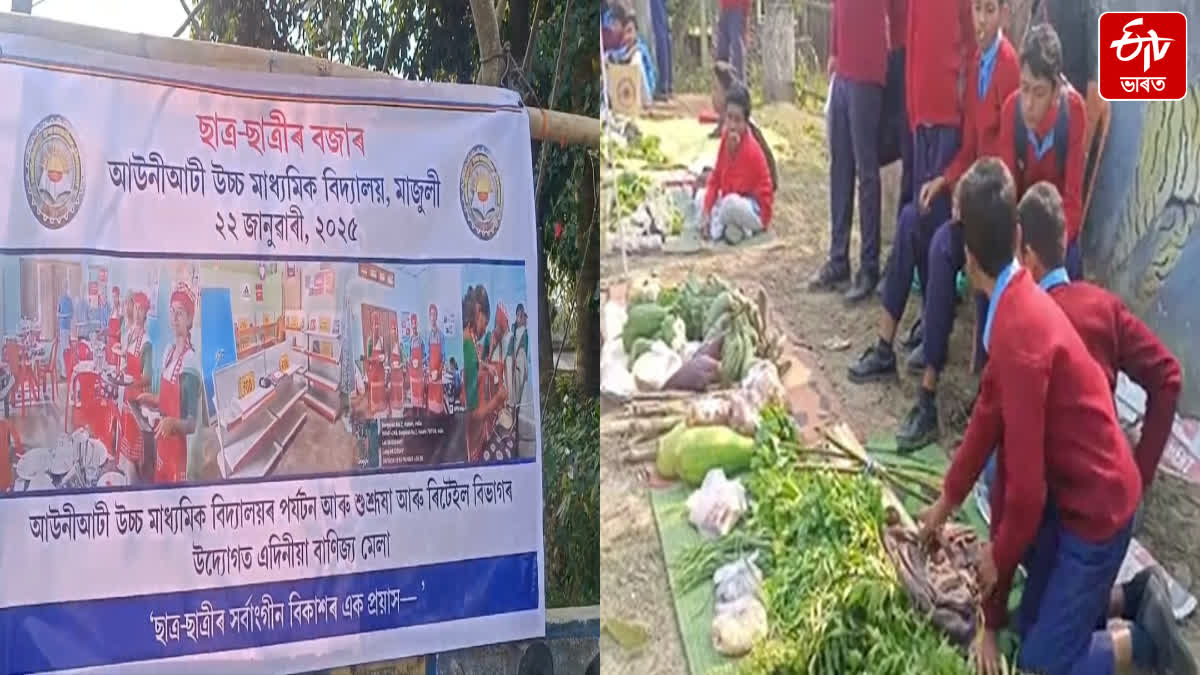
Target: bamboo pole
(544, 125)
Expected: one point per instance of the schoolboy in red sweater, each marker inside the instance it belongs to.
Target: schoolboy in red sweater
(858, 66)
(1115, 337)
(993, 72)
(1042, 132)
(1067, 486)
(739, 196)
(937, 47)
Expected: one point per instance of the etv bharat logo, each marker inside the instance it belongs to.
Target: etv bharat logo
(53, 173)
(480, 193)
(1143, 56)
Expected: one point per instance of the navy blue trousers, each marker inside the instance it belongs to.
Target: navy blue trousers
(946, 257)
(731, 40)
(895, 123)
(1074, 261)
(933, 149)
(853, 129)
(662, 45)
(1064, 605)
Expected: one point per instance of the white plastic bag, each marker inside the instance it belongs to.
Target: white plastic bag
(738, 625)
(737, 580)
(652, 369)
(612, 320)
(716, 506)
(615, 379)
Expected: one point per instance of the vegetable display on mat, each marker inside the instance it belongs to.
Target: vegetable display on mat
(833, 599)
(733, 326)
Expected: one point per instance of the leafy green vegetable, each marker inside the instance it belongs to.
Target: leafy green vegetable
(833, 601)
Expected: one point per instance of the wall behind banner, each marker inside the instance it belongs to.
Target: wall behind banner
(1142, 232)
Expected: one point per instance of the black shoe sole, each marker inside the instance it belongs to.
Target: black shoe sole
(1158, 619)
(830, 287)
(910, 445)
(886, 376)
(855, 296)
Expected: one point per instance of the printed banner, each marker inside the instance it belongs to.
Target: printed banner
(267, 375)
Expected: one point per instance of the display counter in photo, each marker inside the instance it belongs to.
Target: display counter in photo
(405, 406)
(496, 389)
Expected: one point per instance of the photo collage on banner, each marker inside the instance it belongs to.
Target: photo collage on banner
(252, 356)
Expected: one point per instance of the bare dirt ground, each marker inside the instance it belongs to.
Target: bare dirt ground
(633, 575)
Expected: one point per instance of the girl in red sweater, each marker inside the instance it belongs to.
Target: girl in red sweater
(739, 195)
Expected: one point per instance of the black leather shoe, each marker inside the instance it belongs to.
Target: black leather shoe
(915, 363)
(1157, 618)
(828, 279)
(864, 284)
(875, 364)
(920, 428)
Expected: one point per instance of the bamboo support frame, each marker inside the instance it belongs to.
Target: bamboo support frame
(544, 125)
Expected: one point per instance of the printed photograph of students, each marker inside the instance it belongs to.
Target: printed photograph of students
(496, 391)
(105, 391)
(401, 344)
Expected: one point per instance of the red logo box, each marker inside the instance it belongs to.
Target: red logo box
(1142, 56)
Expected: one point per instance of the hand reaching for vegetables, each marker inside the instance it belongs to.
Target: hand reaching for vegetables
(985, 655)
(932, 519)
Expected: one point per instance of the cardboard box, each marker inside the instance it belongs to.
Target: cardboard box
(624, 89)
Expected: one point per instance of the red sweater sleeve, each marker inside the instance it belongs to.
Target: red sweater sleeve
(1151, 365)
(1073, 182)
(1004, 140)
(984, 431)
(1023, 408)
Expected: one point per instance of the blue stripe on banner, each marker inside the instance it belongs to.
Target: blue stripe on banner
(36, 638)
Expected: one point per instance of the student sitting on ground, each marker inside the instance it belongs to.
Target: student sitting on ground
(1042, 132)
(992, 74)
(1066, 486)
(739, 195)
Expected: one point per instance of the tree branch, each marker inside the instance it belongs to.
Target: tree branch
(491, 52)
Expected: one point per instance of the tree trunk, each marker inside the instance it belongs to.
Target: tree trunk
(587, 324)
(778, 46)
(491, 51)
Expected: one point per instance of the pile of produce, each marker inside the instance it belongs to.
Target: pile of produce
(834, 603)
(722, 325)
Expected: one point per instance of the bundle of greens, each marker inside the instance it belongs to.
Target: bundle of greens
(833, 600)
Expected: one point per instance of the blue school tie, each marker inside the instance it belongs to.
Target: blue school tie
(987, 65)
(1040, 148)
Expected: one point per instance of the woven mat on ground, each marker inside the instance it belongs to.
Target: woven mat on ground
(693, 610)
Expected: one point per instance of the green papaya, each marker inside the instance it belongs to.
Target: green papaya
(666, 460)
(702, 449)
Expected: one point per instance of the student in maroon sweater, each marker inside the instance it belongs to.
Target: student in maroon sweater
(739, 195)
(858, 65)
(1118, 340)
(1067, 485)
(937, 46)
(1046, 108)
(992, 73)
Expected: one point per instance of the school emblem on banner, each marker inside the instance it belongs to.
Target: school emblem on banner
(53, 173)
(480, 193)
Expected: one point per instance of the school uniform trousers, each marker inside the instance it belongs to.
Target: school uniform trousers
(663, 54)
(932, 149)
(854, 118)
